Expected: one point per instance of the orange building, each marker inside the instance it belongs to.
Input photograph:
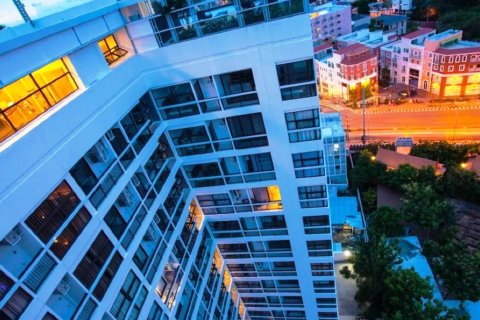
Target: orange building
(451, 66)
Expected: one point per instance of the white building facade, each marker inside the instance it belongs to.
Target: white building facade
(144, 176)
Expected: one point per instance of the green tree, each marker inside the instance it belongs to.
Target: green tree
(457, 268)
(428, 176)
(409, 296)
(367, 172)
(426, 209)
(444, 152)
(403, 175)
(372, 263)
(369, 199)
(461, 184)
(362, 6)
(385, 221)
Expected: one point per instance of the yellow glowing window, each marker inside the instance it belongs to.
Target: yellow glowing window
(274, 193)
(25, 99)
(110, 49)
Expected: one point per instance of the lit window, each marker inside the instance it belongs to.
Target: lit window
(25, 99)
(110, 49)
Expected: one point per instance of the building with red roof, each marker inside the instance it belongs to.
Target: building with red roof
(346, 70)
(451, 66)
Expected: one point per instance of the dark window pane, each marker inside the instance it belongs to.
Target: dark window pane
(69, 235)
(52, 212)
(93, 261)
(16, 305)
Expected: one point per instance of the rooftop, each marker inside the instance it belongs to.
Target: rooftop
(388, 19)
(356, 17)
(367, 37)
(394, 159)
(327, 8)
(352, 49)
(418, 33)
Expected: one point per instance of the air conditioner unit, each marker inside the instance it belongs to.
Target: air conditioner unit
(64, 285)
(98, 153)
(13, 237)
(126, 198)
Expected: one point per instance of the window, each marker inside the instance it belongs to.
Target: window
(237, 82)
(171, 95)
(107, 276)
(83, 175)
(316, 224)
(25, 99)
(5, 284)
(319, 248)
(125, 297)
(461, 67)
(450, 68)
(40, 272)
(298, 92)
(312, 196)
(291, 74)
(322, 269)
(93, 261)
(110, 49)
(189, 135)
(312, 162)
(53, 212)
(69, 235)
(16, 305)
(299, 121)
(246, 125)
(295, 72)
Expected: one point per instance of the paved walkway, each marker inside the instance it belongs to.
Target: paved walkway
(346, 289)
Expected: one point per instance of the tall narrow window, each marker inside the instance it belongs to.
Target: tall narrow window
(16, 305)
(111, 50)
(93, 261)
(67, 238)
(53, 212)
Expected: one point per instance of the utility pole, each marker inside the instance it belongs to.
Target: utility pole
(364, 136)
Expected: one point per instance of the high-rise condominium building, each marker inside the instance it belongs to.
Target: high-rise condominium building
(166, 166)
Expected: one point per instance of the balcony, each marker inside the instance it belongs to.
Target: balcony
(66, 298)
(186, 20)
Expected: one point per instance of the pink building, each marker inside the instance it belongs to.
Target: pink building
(331, 21)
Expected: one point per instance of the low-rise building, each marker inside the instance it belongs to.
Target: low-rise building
(402, 6)
(329, 21)
(344, 72)
(390, 22)
(371, 39)
(360, 21)
(393, 160)
(404, 57)
(442, 64)
(450, 66)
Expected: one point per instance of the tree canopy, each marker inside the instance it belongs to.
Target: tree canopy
(426, 209)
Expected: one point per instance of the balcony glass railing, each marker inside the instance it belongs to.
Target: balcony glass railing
(193, 20)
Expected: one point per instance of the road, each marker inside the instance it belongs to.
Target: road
(460, 124)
